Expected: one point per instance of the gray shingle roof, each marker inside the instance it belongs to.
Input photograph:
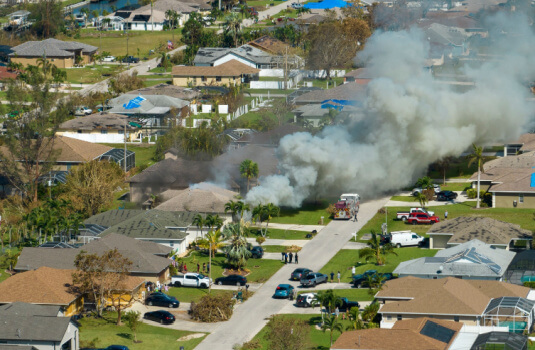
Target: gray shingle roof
(33, 328)
(51, 48)
(27, 309)
(211, 54)
(100, 121)
(17, 347)
(149, 106)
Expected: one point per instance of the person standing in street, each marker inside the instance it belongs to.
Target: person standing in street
(332, 277)
(290, 257)
(285, 258)
(282, 256)
(352, 271)
(338, 275)
(296, 258)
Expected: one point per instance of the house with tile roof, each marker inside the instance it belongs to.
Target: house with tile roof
(469, 260)
(232, 72)
(31, 327)
(497, 234)
(415, 334)
(147, 258)
(62, 54)
(471, 302)
(180, 92)
(348, 92)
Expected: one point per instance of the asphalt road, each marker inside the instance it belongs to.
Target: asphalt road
(252, 316)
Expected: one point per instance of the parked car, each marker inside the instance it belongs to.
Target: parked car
(108, 59)
(313, 278)
(404, 215)
(191, 279)
(405, 239)
(297, 5)
(305, 299)
(359, 279)
(83, 111)
(446, 196)
(162, 316)
(284, 291)
(161, 299)
(419, 189)
(257, 252)
(347, 305)
(130, 59)
(363, 283)
(422, 218)
(117, 347)
(299, 273)
(385, 238)
(231, 280)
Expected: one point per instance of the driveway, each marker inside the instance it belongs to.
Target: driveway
(252, 316)
(461, 197)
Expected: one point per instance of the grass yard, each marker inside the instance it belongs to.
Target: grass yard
(155, 338)
(285, 234)
(404, 199)
(152, 82)
(324, 83)
(3, 275)
(274, 248)
(187, 295)
(91, 74)
(522, 217)
(352, 294)
(319, 340)
(308, 214)
(144, 152)
(114, 42)
(454, 186)
(346, 258)
(261, 269)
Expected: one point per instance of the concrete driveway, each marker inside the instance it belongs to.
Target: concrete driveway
(252, 316)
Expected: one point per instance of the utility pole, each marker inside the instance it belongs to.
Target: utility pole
(125, 118)
(151, 17)
(210, 260)
(286, 69)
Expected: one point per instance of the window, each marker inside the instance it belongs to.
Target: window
(521, 198)
(171, 244)
(203, 79)
(389, 317)
(191, 277)
(103, 131)
(79, 131)
(194, 80)
(456, 318)
(400, 317)
(217, 78)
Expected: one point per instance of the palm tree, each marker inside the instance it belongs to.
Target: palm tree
(422, 198)
(444, 165)
(243, 208)
(302, 10)
(234, 208)
(369, 313)
(199, 221)
(249, 170)
(214, 221)
(45, 64)
(332, 324)
(164, 61)
(237, 251)
(233, 26)
(425, 183)
(375, 283)
(172, 17)
(258, 214)
(213, 241)
(375, 250)
(476, 156)
(269, 211)
(356, 321)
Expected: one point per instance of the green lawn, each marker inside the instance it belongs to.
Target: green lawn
(154, 338)
(3, 275)
(352, 294)
(187, 295)
(149, 83)
(319, 340)
(274, 248)
(346, 258)
(308, 214)
(452, 186)
(91, 74)
(326, 84)
(261, 269)
(144, 152)
(285, 234)
(66, 3)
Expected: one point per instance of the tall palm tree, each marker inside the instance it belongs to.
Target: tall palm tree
(422, 198)
(172, 17)
(200, 222)
(233, 26)
(234, 208)
(476, 156)
(249, 170)
(332, 324)
(375, 250)
(369, 313)
(356, 321)
(269, 211)
(236, 250)
(243, 208)
(258, 214)
(45, 65)
(212, 241)
(444, 164)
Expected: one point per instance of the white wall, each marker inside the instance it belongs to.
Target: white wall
(146, 26)
(278, 85)
(314, 74)
(178, 245)
(96, 138)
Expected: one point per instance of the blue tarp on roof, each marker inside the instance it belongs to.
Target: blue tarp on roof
(532, 184)
(325, 4)
(134, 103)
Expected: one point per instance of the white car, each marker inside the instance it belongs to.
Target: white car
(419, 189)
(83, 111)
(305, 299)
(108, 59)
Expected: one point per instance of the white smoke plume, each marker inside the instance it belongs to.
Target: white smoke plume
(409, 120)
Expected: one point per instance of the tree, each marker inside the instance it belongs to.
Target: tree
(280, 109)
(91, 186)
(213, 221)
(269, 211)
(100, 275)
(233, 26)
(234, 207)
(124, 82)
(286, 333)
(237, 249)
(444, 164)
(421, 197)
(332, 324)
(356, 321)
(476, 157)
(328, 300)
(375, 250)
(133, 322)
(375, 283)
(424, 182)
(213, 241)
(54, 217)
(164, 61)
(249, 170)
(369, 313)
(199, 221)
(48, 17)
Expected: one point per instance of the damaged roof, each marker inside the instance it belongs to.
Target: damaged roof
(100, 121)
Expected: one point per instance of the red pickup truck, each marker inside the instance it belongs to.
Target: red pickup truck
(422, 218)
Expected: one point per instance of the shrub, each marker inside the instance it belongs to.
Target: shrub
(331, 209)
(529, 285)
(260, 240)
(213, 308)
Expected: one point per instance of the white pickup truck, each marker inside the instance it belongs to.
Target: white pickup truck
(191, 279)
(404, 215)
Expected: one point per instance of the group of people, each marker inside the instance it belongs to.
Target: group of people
(183, 267)
(288, 257)
(337, 275)
(157, 287)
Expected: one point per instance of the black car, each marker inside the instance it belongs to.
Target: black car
(161, 299)
(299, 273)
(232, 280)
(130, 59)
(362, 282)
(256, 252)
(446, 196)
(162, 316)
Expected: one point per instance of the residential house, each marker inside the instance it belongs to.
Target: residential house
(146, 257)
(18, 18)
(524, 144)
(167, 229)
(452, 40)
(352, 92)
(246, 54)
(228, 73)
(360, 76)
(234, 135)
(471, 302)
(311, 114)
(415, 334)
(463, 229)
(62, 54)
(102, 128)
(35, 327)
(174, 91)
(269, 138)
(469, 260)
(154, 111)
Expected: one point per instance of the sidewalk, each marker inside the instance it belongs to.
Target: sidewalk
(286, 242)
(296, 227)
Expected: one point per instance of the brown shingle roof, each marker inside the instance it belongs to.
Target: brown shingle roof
(350, 91)
(269, 44)
(487, 230)
(405, 335)
(445, 296)
(231, 68)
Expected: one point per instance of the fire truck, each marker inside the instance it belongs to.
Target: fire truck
(347, 206)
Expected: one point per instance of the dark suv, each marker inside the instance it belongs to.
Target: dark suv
(362, 280)
(161, 299)
(130, 59)
(256, 252)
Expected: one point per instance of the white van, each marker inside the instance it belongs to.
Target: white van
(405, 238)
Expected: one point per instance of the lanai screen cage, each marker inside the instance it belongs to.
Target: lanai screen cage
(522, 268)
(513, 312)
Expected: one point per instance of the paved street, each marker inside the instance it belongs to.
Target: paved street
(251, 317)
